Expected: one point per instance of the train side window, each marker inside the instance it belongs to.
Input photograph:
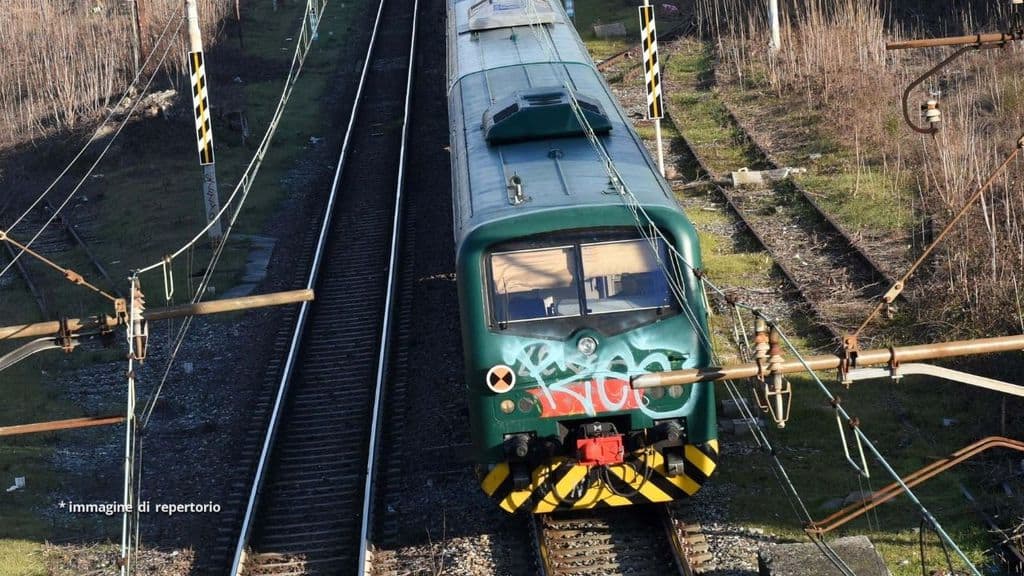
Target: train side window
(534, 284)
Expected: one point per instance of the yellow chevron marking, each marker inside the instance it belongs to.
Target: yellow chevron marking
(561, 490)
(682, 481)
(636, 481)
(592, 496)
(598, 492)
(699, 459)
(514, 500)
(494, 478)
(615, 500)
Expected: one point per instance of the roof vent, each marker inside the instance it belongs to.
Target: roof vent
(491, 14)
(541, 113)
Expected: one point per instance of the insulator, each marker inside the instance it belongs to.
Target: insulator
(932, 112)
(761, 340)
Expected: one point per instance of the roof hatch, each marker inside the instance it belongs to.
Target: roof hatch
(490, 14)
(541, 113)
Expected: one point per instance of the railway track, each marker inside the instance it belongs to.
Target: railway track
(637, 540)
(791, 225)
(310, 505)
(59, 241)
(831, 271)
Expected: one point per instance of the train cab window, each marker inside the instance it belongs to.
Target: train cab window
(624, 275)
(529, 284)
(580, 280)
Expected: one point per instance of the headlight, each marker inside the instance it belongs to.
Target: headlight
(526, 404)
(675, 391)
(587, 345)
(508, 406)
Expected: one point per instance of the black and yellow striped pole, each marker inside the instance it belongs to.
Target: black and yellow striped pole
(652, 75)
(203, 122)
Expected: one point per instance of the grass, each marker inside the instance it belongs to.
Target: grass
(861, 201)
(812, 453)
(21, 558)
(700, 115)
(149, 203)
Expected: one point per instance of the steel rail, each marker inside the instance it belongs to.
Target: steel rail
(238, 563)
(365, 559)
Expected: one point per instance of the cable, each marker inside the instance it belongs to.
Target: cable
(303, 43)
(245, 184)
(93, 138)
(675, 280)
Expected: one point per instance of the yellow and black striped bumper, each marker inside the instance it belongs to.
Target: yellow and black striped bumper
(561, 484)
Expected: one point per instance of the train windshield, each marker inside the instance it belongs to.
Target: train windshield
(583, 279)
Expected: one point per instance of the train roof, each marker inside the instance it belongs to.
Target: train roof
(492, 66)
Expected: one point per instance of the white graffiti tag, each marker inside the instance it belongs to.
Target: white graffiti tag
(591, 384)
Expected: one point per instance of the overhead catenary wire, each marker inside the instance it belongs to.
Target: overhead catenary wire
(110, 142)
(616, 179)
(312, 15)
(652, 233)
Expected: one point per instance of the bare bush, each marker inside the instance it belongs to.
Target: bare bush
(63, 61)
(833, 59)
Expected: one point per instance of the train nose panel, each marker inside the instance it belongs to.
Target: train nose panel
(641, 477)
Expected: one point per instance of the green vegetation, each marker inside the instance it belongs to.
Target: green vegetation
(811, 450)
(20, 558)
(700, 115)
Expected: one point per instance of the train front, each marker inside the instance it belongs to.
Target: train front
(565, 319)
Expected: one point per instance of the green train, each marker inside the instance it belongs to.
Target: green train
(568, 285)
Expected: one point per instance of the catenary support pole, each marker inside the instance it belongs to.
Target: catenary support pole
(652, 76)
(203, 121)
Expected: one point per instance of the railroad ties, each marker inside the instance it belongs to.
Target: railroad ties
(61, 242)
(636, 540)
(309, 519)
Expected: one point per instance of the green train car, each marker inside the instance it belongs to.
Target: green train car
(568, 287)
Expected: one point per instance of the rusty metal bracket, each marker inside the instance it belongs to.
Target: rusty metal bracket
(65, 336)
(906, 99)
(894, 365)
(883, 495)
(851, 348)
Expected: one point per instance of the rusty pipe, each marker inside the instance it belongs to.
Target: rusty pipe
(107, 322)
(893, 490)
(971, 40)
(60, 425)
(881, 356)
